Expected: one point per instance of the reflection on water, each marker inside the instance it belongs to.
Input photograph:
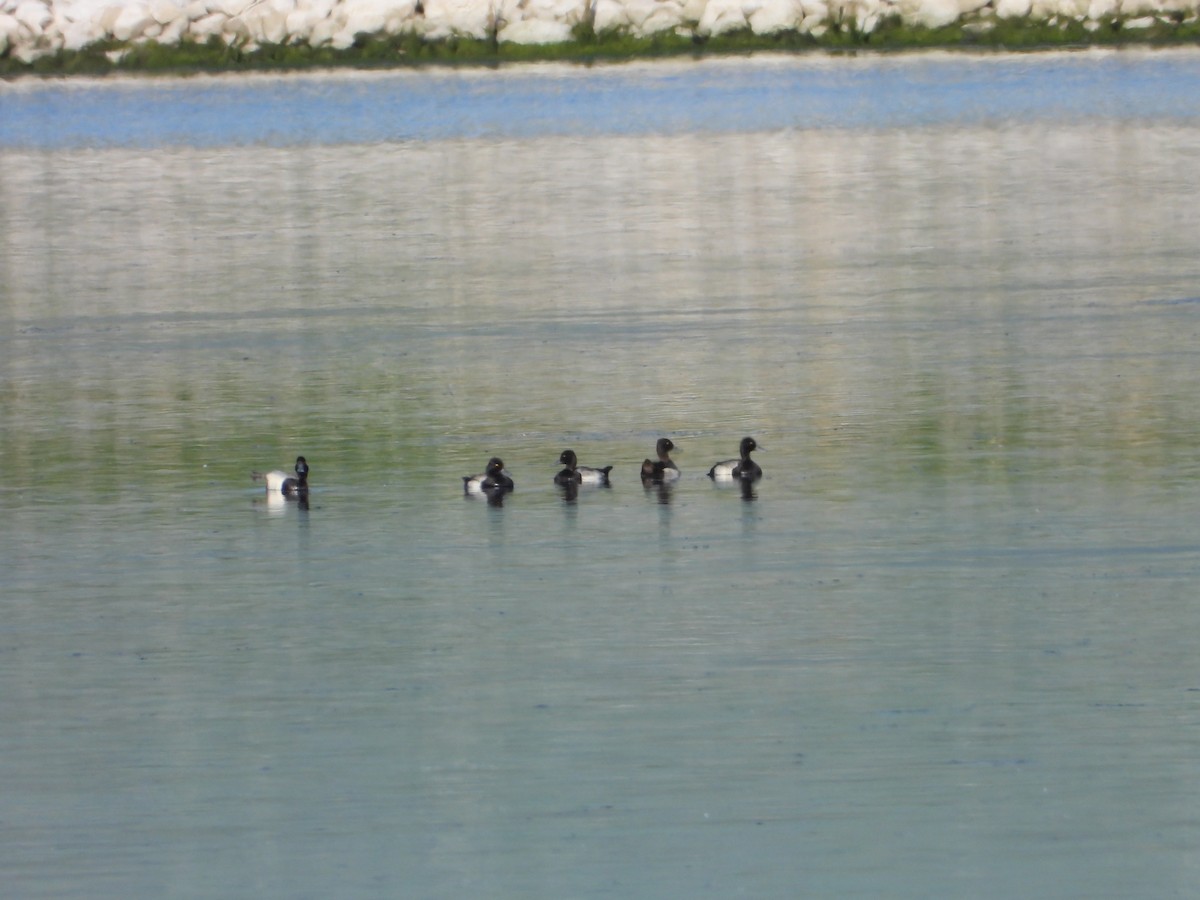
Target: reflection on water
(946, 651)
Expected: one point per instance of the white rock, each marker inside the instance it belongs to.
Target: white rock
(610, 15)
(9, 27)
(1012, 9)
(165, 11)
(231, 8)
(197, 9)
(403, 20)
(132, 22)
(204, 28)
(34, 15)
(323, 31)
(776, 15)
(323, 8)
(265, 24)
(535, 31)
(570, 11)
(1137, 24)
(721, 16)
(1103, 9)
(107, 18)
(638, 11)
(173, 33)
(665, 17)
(25, 52)
(365, 16)
(236, 31)
(300, 23)
(464, 17)
(932, 13)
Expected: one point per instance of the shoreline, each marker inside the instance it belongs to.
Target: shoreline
(983, 31)
(563, 67)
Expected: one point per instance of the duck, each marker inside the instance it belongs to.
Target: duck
(743, 468)
(280, 482)
(663, 468)
(492, 481)
(577, 474)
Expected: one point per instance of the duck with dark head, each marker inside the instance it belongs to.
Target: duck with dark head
(492, 481)
(663, 469)
(577, 474)
(741, 469)
(280, 482)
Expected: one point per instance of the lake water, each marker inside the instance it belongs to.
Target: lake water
(947, 648)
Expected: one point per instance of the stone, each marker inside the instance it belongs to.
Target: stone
(934, 13)
(204, 28)
(76, 35)
(463, 17)
(610, 15)
(34, 15)
(721, 16)
(9, 26)
(132, 22)
(173, 33)
(1013, 9)
(108, 18)
(266, 24)
(665, 17)
(165, 11)
(365, 16)
(535, 31)
(300, 22)
(323, 32)
(776, 15)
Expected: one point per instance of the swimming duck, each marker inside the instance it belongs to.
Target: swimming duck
(663, 468)
(744, 468)
(494, 480)
(575, 473)
(280, 482)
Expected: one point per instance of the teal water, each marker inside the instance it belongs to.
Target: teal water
(812, 91)
(945, 649)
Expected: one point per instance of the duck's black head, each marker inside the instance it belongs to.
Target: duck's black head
(664, 446)
(302, 469)
(569, 459)
(495, 466)
(748, 444)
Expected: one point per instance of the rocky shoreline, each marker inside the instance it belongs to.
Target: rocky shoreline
(33, 30)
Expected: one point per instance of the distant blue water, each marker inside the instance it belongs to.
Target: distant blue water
(636, 99)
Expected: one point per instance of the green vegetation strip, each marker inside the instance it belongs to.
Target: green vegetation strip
(411, 50)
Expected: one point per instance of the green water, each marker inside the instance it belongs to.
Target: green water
(947, 649)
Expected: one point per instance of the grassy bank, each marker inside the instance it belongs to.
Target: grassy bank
(410, 50)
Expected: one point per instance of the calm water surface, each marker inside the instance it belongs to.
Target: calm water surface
(947, 648)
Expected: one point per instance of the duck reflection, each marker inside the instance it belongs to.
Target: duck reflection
(660, 490)
(279, 504)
